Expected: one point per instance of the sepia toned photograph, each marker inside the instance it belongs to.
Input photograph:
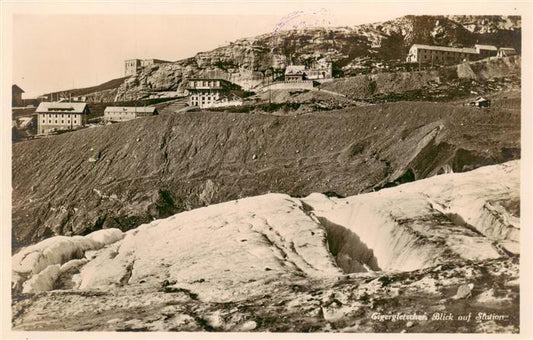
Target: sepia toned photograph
(308, 168)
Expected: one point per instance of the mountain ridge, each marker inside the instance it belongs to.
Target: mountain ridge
(346, 47)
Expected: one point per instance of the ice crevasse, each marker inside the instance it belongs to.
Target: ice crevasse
(228, 250)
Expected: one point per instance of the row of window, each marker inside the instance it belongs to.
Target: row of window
(58, 115)
(120, 118)
(119, 113)
(197, 102)
(205, 83)
(202, 97)
(448, 53)
(62, 121)
(441, 58)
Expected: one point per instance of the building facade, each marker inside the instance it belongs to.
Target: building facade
(212, 92)
(124, 113)
(486, 51)
(480, 102)
(320, 69)
(16, 96)
(295, 73)
(55, 116)
(132, 66)
(442, 55)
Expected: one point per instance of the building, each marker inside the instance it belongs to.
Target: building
(79, 98)
(132, 66)
(149, 62)
(123, 113)
(295, 73)
(506, 52)
(320, 69)
(480, 102)
(16, 96)
(54, 116)
(486, 51)
(296, 78)
(441, 55)
(213, 92)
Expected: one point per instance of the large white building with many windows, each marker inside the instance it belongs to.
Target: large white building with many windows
(440, 55)
(213, 92)
(444, 55)
(55, 116)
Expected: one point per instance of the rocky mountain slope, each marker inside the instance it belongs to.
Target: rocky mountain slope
(483, 77)
(346, 47)
(122, 175)
(249, 60)
(447, 245)
(98, 93)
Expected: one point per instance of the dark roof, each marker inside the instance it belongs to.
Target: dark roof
(16, 88)
(63, 107)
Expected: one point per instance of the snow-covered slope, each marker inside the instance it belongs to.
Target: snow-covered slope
(231, 245)
(255, 247)
(469, 215)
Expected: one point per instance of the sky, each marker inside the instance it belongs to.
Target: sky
(69, 46)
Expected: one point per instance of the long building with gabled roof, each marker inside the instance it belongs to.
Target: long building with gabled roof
(444, 55)
(123, 113)
(56, 116)
(419, 53)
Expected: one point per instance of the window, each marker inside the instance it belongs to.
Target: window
(49, 121)
(62, 121)
(56, 121)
